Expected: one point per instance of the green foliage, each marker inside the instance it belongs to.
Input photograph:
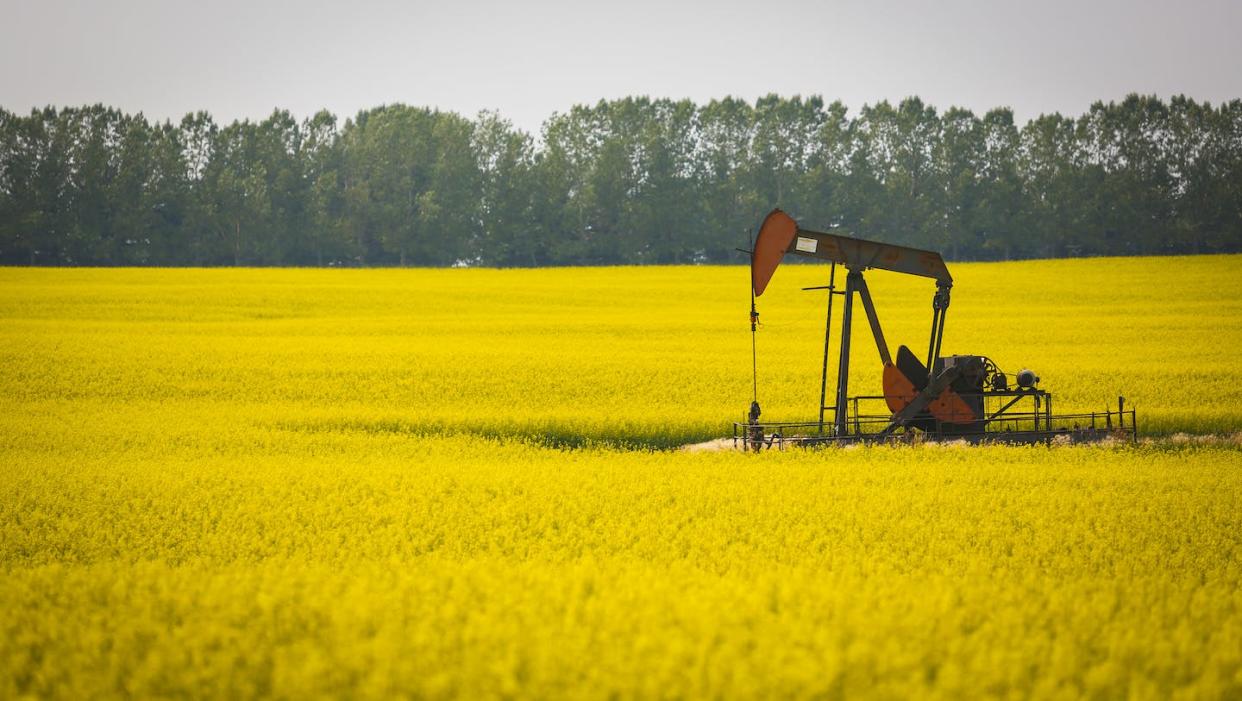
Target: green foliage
(629, 181)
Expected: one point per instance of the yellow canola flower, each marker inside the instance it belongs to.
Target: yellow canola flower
(394, 565)
(442, 484)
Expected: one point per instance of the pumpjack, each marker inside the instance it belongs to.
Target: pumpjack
(953, 397)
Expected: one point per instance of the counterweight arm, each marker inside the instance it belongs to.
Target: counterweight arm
(940, 307)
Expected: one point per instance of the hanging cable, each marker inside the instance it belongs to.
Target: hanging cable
(753, 414)
(754, 352)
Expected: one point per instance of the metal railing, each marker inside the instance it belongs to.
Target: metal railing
(1006, 418)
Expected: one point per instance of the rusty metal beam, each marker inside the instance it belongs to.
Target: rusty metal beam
(864, 293)
(780, 235)
(860, 254)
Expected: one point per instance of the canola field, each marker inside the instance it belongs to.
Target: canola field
(465, 484)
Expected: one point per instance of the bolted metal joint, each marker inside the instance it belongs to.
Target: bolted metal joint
(941, 300)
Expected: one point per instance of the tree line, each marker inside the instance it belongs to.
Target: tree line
(630, 181)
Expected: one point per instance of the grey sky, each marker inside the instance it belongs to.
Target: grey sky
(241, 59)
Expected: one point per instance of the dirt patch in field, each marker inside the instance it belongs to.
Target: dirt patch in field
(720, 444)
(1233, 439)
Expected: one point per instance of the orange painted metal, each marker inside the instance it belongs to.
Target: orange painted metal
(952, 409)
(775, 235)
(899, 391)
(858, 254)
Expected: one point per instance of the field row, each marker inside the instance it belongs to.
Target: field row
(659, 356)
(438, 484)
(368, 564)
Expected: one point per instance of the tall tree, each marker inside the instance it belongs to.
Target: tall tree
(325, 201)
(509, 233)
(1001, 216)
(726, 129)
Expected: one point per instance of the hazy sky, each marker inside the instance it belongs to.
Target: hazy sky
(528, 59)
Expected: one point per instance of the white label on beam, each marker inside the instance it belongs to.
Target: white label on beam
(806, 245)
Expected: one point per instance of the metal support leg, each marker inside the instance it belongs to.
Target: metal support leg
(823, 382)
(843, 366)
